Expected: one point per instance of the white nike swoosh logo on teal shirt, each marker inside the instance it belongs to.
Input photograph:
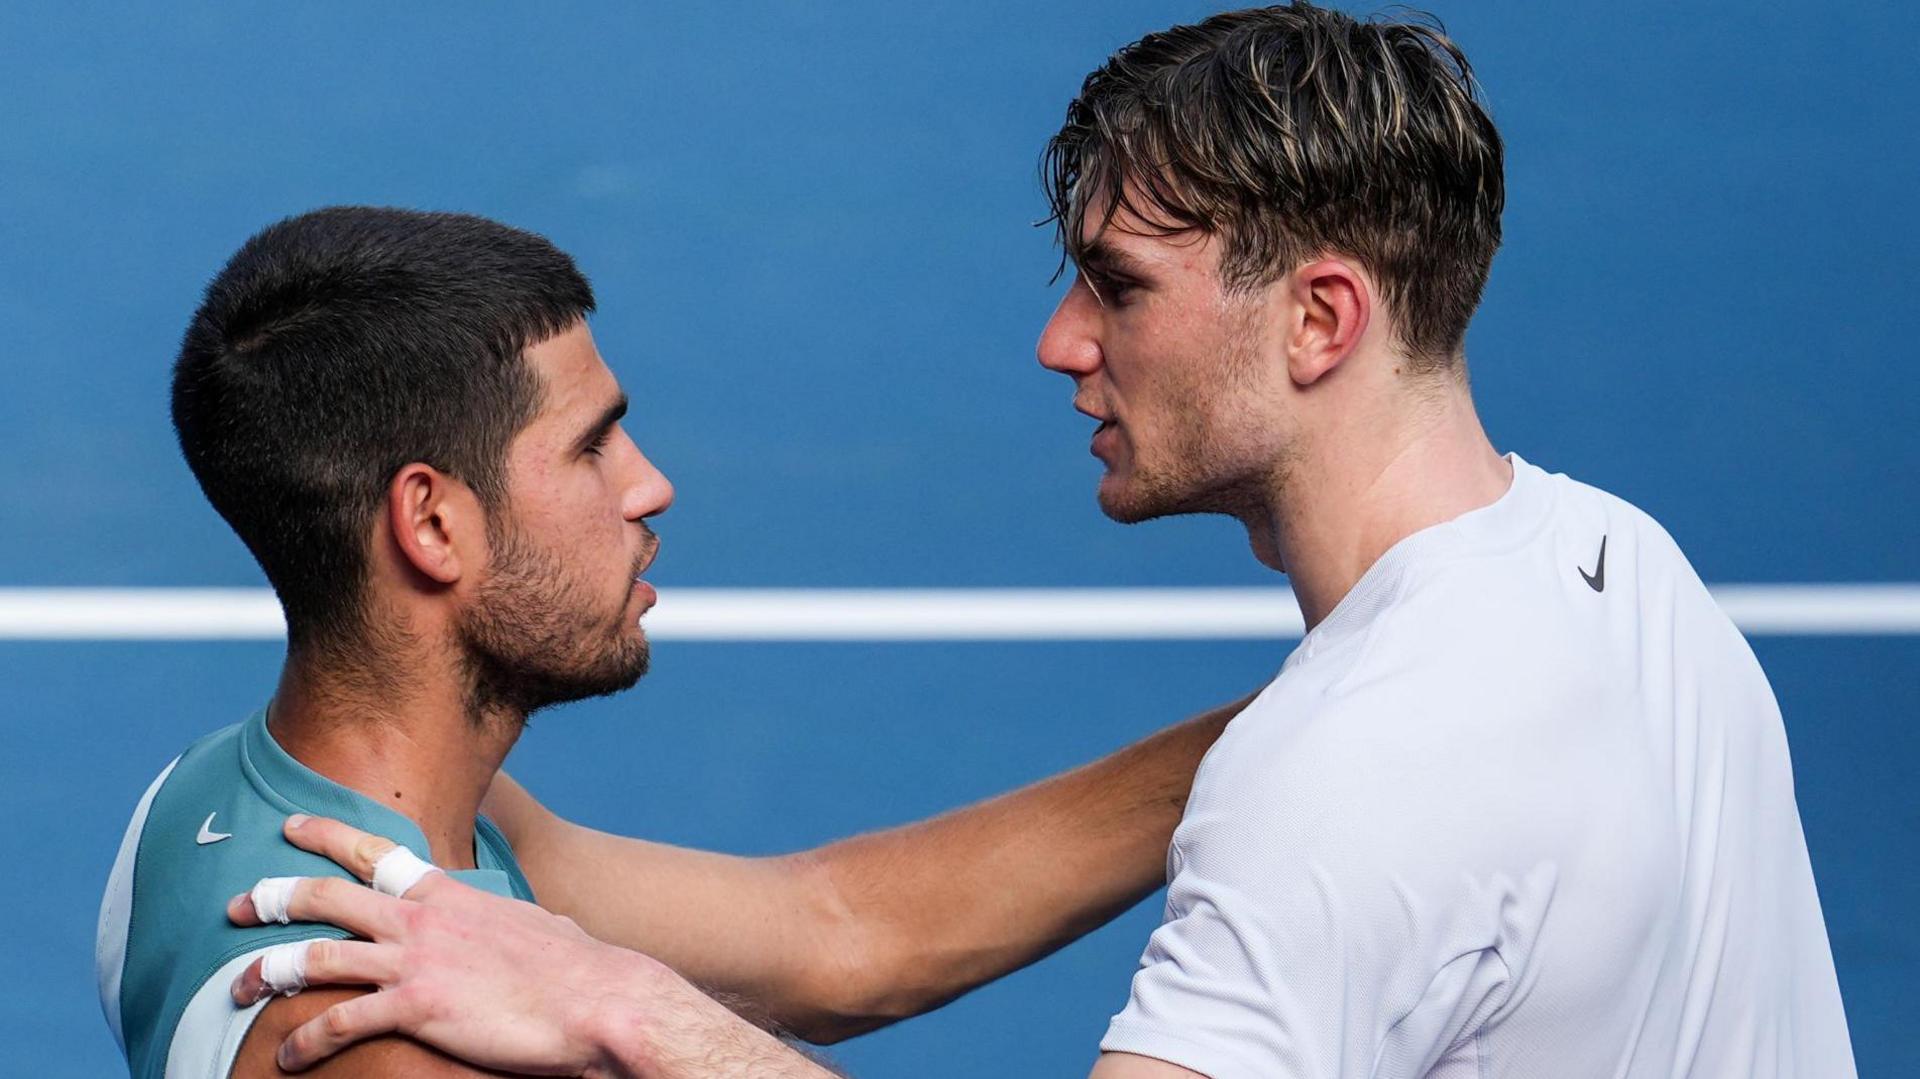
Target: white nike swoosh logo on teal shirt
(207, 834)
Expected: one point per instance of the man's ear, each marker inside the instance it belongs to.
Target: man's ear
(1332, 304)
(436, 522)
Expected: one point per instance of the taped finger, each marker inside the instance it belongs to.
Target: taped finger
(398, 870)
(272, 896)
(354, 850)
(283, 967)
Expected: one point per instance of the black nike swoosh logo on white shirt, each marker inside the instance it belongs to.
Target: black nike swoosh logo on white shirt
(1597, 580)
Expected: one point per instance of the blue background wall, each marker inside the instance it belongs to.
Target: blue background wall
(809, 226)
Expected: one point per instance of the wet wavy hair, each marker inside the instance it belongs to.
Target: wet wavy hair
(1291, 132)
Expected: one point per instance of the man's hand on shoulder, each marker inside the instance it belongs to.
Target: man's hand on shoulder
(491, 980)
(392, 1055)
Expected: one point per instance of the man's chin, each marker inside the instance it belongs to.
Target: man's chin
(604, 681)
(633, 665)
(1127, 504)
(1132, 498)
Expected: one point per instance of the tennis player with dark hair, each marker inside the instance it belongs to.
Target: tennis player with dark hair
(404, 417)
(1519, 803)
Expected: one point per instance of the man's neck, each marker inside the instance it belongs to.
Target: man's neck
(412, 745)
(1354, 492)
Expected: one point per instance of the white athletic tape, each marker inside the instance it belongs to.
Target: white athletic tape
(284, 967)
(271, 896)
(399, 870)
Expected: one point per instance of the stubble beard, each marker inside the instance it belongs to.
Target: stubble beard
(532, 639)
(1178, 491)
(1210, 463)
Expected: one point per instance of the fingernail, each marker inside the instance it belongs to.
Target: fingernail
(233, 905)
(298, 819)
(284, 1057)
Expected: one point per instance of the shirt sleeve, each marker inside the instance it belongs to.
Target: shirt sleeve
(1336, 907)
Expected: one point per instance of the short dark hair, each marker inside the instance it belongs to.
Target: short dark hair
(1293, 131)
(337, 347)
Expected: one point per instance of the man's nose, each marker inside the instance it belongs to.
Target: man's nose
(1068, 344)
(648, 492)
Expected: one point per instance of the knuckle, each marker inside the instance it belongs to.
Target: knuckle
(336, 1023)
(423, 1003)
(416, 1001)
(415, 918)
(367, 850)
(321, 955)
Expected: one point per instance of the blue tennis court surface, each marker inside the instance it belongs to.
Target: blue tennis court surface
(809, 228)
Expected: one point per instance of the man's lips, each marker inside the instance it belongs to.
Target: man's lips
(1104, 437)
(640, 587)
(648, 597)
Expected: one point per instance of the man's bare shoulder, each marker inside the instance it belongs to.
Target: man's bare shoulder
(1133, 1066)
(377, 1057)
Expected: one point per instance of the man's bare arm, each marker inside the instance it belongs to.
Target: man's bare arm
(498, 980)
(1130, 1066)
(860, 933)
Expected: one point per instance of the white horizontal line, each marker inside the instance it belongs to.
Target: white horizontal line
(906, 614)
(1809, 609)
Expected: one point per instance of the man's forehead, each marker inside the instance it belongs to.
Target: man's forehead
(574, 378)
(1123, 234)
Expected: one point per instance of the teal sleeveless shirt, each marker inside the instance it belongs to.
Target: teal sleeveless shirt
(206, 830)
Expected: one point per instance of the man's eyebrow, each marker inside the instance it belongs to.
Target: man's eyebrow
(609, 416)
(1104, 258)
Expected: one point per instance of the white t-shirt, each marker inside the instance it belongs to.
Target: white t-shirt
(1516, 808)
